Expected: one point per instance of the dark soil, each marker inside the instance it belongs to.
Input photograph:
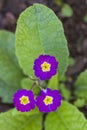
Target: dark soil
(75, 30)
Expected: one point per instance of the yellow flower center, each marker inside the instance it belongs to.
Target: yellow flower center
(24, 100)
(45, 67)
(48, 100)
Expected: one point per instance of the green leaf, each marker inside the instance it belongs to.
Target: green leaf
(81, 86)
(67, 10)
(10, 73)
(26, 83)
(80, 102)
(81, 92)
(67, 117)
(82, 79)
(58, 2)
(7, 91)
(53, 82)
(39, 31)
(13, 120)
(85, 18)
(71, 61)
(65, 92)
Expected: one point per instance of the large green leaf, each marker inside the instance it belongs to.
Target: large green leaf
(39, 31)
(67, 117)
(10, 73)
(13, 120)
(7, 91)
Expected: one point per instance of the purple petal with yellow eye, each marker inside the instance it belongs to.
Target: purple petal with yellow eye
(24, 100)
(45, 67)
(48, 100)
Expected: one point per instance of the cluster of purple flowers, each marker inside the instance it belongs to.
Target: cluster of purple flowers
(49, 100)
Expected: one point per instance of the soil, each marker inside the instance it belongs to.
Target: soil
(74, 26)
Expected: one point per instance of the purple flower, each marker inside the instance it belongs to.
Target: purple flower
(24, 100)
(48, 100)
(45, 67)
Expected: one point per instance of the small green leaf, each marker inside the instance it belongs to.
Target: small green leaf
(67, 117)
(66, 10)
(81, 86)
(9, 68)
(53, 82)
(7, 91)
(58, 2)
(82, 79)
(65, 92)
(71, 61)
(81, 92)
(13, 120)
(26, 83)
(85, 18)
(39, 31)
(80, 102)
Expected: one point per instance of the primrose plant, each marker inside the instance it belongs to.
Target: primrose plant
(38, 43)
(32, 63)
(48, 100)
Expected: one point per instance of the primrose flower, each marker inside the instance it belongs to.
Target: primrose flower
(48, 100)
(45, 67)
(24, 100)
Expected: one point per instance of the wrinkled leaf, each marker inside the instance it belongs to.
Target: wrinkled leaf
(9, 69)
(67, 117)
(13, 120)
(7, 91)
(38, 32)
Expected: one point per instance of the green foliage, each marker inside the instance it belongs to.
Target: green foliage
(10, 71)
(66, 94)
(80, 102)
(85, 18)
(82, 79)
(81, 92)
(26, 83)
(39, 31)
(14, 120)
(67, 10)
(81, 87)
(67, 117)
(71, 61)
(53, 83)
(7, 91)
(58, 2)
